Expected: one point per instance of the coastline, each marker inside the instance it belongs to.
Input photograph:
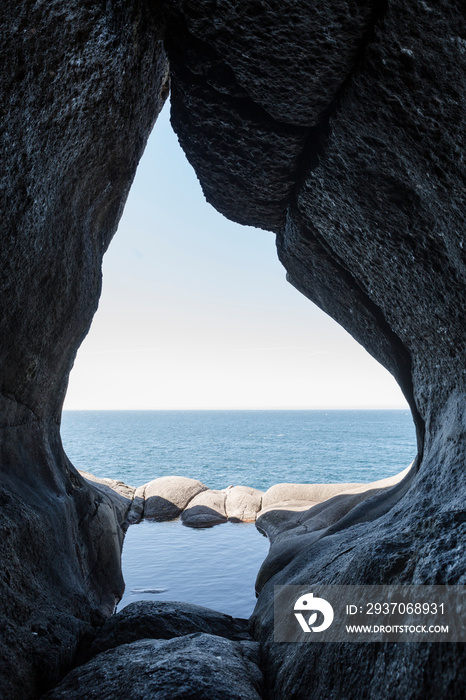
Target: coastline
(168, 497)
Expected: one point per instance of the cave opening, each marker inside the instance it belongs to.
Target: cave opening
(373, 235)
(203, 362)
(196, 314)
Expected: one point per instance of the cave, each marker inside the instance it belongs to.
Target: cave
(340, 129)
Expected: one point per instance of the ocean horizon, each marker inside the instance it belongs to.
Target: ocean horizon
(251, 447)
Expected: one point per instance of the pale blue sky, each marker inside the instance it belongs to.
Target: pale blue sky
(196, 313)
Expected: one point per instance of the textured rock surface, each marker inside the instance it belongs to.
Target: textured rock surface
(292, 506)
(136, 510)
(120, 494)
(367, 197)
(166, 497)
(250, 84)
(165, 620)
(338, 125)
(206, 509)
(196, 667)
(81, 85)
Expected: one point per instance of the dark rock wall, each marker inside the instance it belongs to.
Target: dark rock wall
(341, 126)
(81, 85)
(251, 81)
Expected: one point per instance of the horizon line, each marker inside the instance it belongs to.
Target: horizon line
(333, 408)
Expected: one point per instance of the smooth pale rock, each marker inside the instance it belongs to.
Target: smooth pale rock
(206, 509)
(165, 620)
(119, 487)
(301, 516)
(310, 493)
(193, 667)
(243, 503)
(167, 496)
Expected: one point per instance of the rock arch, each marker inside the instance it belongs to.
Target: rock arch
(338, 126)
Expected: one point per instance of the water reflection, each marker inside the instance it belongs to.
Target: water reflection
(214, 567)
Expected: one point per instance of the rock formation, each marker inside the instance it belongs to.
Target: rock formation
(165, 620)
(81, 86)
(168, 496)
(243, 503)
(339, 126)
(206, 509)
(192, 666)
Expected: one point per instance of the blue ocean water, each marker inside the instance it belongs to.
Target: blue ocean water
(253, 448)
(217, 567)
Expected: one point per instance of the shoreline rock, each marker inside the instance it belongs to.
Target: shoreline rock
(243, 503)
(206, 509)
(167, 497)
(275, 510)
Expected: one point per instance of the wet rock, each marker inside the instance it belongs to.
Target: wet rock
(206, 509)
(197, 666)
(243, 503)
(166, 497)
(164, 620)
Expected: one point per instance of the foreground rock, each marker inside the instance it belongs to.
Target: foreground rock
(197, 666)
(341, 127)
(206, 509)
(165, 498)
(165, 620)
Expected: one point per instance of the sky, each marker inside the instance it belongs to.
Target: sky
(196, 313)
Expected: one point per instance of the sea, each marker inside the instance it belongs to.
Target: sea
(217, 567)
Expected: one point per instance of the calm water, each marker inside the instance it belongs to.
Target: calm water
(217, 567)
